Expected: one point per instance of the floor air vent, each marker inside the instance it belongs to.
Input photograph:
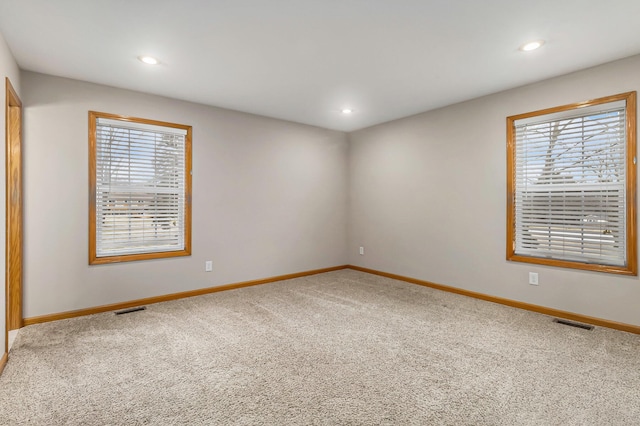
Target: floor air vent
(573, 324)
(128, 311)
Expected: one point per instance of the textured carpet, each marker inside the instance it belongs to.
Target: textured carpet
(341, 348)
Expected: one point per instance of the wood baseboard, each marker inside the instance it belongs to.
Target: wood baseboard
(508, 302)
(3, 362)
(173, 296)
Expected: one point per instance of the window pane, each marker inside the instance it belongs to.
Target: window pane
(569, 188)
(140, 188)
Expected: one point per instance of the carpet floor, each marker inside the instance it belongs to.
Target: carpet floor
(340, 348)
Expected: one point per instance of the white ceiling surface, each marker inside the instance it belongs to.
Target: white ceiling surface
(304, 60)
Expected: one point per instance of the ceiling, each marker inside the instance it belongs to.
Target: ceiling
(305, 60)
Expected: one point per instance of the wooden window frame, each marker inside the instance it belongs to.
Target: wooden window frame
(630, 186)
(93, 258)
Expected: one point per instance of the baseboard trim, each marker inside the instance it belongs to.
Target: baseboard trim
(172, 296)
(508, 302)
(3, 362)
(175, 296)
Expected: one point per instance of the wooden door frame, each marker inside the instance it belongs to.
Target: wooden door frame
(13, 213)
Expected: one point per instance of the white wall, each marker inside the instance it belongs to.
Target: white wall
(269, 198)
(428, 199)
(425, 195)
(8, 68)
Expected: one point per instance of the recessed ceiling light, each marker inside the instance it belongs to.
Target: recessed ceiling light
(148, 60)
(346, 110)
(532, 45)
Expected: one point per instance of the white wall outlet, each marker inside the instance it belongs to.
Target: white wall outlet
(361, 251)
(208, 266)
(533, 278)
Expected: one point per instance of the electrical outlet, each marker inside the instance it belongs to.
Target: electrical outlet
(533, 278)
(361, 251)
(208, 266)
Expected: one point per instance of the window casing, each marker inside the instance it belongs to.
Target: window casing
(571, 186)
(139, 189)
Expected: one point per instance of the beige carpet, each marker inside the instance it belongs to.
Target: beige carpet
(341, 348)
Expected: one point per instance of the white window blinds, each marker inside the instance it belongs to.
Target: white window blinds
(140, 188)
(570, 174)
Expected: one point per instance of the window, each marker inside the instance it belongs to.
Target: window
(140, 189)
(572, 186)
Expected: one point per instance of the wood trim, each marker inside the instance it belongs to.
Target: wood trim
(631, 268)
(188, 173)
(574, 265)
(93, 259)
(92, 188)
(495, 299)
(511, 192)
(576, 105)
(13, 210)
(14, 100)
(3, 362)
(631, 184)
(508, 302)
(173, 296)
